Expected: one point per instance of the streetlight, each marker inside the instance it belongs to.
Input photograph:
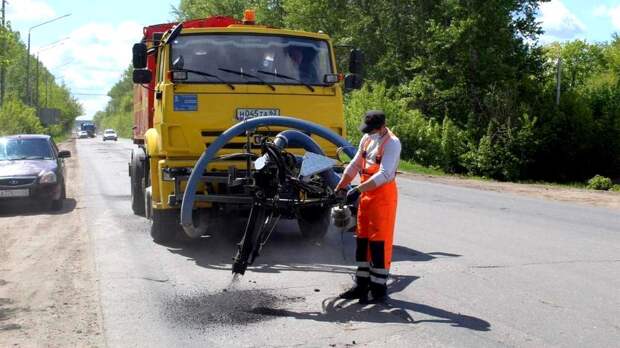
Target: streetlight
(28, 54)
(45, 48)
(47, 87)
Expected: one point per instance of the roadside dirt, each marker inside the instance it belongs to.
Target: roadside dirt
(604, 199)
(48, 287)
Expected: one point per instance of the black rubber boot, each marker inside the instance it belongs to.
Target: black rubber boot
(378, 294)
(359, 291)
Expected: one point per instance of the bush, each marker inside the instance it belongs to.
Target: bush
(504, 152)
(453, 146)
(17, 118)
(424, 141)
(599, 182)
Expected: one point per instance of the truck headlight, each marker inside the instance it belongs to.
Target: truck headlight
(47, 177)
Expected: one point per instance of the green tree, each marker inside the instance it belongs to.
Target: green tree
(118, 113)
(269, 12)
(17, 118)
(49, 93)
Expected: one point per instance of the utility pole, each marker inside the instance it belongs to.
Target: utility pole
(28, 92)
(558, 83)
(36, 86)
(3, 50)
(47, 88)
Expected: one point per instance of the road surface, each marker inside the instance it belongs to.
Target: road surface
(471, 268)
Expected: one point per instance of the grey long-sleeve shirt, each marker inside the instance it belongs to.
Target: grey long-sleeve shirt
(389, 161)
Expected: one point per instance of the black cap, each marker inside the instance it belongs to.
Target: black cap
(373, 119)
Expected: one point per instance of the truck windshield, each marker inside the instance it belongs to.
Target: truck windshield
(24, 149)
(303, 60)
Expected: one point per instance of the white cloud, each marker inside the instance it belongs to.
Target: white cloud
(600, 10)
(612, 12)
(98, 54)
(29, 10)
(559, 22)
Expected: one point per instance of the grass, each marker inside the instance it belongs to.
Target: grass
(577, 184)
(59, 138)
(412, 167)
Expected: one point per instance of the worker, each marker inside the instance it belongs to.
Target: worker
(300, 64)
(375, 161)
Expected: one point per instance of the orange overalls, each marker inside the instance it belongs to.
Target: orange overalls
(375, 221)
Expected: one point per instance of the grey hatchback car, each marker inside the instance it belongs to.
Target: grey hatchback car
(32, 168)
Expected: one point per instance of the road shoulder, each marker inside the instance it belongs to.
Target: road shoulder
(48, 284)
(603, 199)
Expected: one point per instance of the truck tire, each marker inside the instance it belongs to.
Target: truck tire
(165, 225)
(313, 222)
(137, 175)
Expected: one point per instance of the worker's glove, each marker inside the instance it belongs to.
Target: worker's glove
(352, 195)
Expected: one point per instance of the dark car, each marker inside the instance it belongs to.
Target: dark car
(32, 167)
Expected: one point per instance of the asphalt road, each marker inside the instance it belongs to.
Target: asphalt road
(472, 269)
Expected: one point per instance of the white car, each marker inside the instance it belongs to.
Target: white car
(82, 134)
(110, 134)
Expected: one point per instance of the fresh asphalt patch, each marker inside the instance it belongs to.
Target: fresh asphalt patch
(229, 307)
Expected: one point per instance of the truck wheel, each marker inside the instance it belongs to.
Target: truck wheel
(165, 225)
(137, 178)
(313, 222)
(137, 197)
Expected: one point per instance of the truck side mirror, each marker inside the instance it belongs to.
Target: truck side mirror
(142, 76)
(139, 56)
(353, 81)
(356, 62)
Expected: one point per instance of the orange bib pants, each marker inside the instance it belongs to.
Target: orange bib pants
(375, 227)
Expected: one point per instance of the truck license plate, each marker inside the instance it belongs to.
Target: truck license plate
(15, 193)
(244, 114)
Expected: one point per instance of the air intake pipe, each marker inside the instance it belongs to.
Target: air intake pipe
(189, 195)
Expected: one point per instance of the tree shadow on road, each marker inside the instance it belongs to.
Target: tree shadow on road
(287, 250)
(29, 208)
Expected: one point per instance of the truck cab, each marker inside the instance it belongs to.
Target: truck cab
(196, 79)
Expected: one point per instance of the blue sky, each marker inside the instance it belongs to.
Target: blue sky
(96, 39)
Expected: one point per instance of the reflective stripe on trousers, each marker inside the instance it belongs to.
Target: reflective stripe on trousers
(375, 230)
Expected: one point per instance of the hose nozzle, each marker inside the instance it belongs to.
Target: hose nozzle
(341, 216)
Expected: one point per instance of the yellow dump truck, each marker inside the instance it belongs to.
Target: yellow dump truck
(196, 79)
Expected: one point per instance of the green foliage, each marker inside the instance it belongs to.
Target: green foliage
(419, 169)
(44, 91)
(17, 118)
(599, 182)
(464, 84)
(504, 152)
(424, 140)
(118, 113)
(270, 12)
